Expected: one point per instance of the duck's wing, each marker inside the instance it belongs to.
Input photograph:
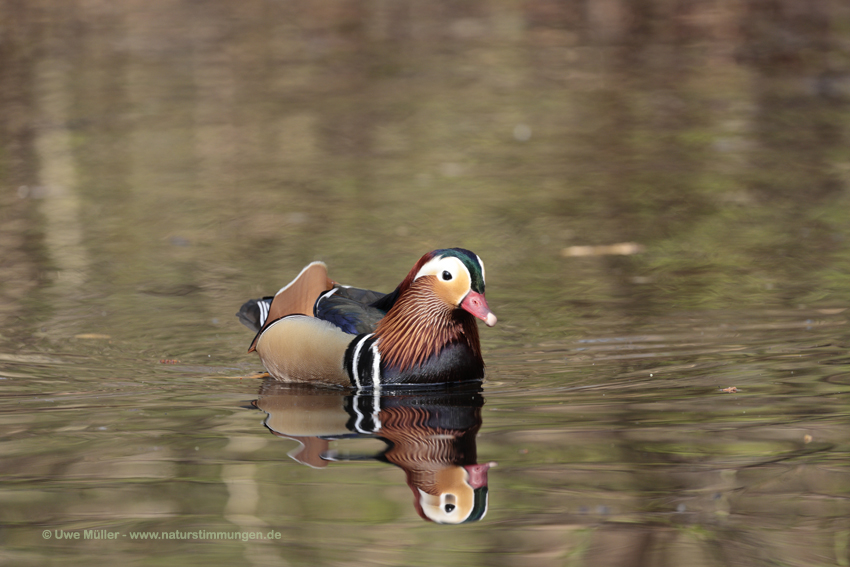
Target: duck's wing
(297, 297)
(350, 309)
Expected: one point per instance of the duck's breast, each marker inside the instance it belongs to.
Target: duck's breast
(455, 363)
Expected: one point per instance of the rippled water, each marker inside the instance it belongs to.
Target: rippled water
(609, 446)
(659, 194)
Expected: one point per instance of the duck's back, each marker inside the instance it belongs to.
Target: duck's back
(313, 293)
(350, 308)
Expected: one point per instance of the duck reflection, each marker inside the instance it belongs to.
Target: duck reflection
(430, 435)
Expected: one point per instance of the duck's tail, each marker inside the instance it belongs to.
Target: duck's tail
(255, 312)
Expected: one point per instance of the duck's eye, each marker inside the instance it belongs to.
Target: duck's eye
(450, 508)
(447, 275)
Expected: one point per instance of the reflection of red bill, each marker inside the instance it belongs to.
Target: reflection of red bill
(478, 474)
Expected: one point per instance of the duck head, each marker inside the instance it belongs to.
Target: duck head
(434, 307)
(456, 276)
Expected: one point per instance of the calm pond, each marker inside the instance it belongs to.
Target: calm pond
(660, 192)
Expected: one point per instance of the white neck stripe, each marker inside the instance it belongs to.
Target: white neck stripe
(355, 359)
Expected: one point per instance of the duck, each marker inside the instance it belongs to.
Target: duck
(315, 330)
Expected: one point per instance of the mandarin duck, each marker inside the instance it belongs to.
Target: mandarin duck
(315, 330)
(430, 435)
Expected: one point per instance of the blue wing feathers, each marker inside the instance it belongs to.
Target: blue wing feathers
(350, 309)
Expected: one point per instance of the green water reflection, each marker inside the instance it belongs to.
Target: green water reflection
(161, 161)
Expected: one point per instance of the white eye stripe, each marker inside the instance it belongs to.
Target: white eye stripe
(437, 266)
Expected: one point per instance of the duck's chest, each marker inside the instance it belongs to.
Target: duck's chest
(455, 362)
